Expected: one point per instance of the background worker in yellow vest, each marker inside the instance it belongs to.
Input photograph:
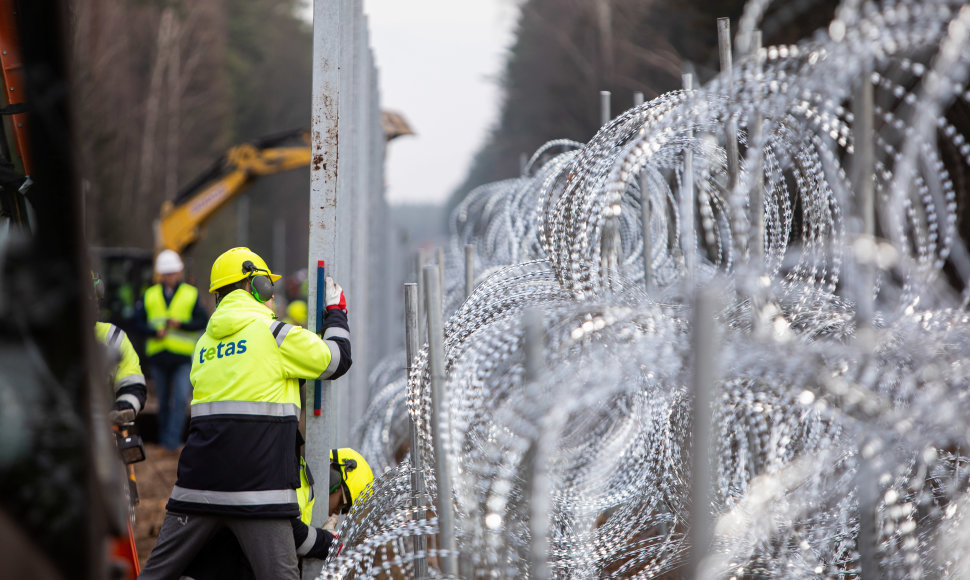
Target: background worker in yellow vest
(170, 316)
(240, 466)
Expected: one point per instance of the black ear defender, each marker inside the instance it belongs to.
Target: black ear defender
(262, 286)
(338, 475)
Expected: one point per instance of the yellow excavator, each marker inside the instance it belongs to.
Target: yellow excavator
(128, 271)
(181, 220)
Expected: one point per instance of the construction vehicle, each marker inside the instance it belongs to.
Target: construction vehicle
(14, 152)
(182, 219)
(61, 513)
(128, 271)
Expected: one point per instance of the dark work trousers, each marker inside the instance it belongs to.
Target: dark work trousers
(267, 544)
(170, 375)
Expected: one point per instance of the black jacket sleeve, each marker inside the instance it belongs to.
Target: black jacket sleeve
(311, 542)
(137, 391)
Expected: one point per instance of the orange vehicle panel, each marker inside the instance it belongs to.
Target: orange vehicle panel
(12, 76)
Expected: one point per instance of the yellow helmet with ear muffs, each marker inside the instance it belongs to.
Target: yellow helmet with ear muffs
(238, 264)
(350, 469)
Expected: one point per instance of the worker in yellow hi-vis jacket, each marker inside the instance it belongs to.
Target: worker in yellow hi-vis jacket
(239, 468)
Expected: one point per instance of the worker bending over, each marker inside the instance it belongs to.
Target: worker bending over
(350, 477)
(239, 468)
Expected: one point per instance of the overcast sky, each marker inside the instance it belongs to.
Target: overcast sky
(439, 63)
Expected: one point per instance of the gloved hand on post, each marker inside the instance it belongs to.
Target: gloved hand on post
(335, 296)
(330, 526)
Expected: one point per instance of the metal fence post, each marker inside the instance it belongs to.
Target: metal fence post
(323, 213)
(731, 127)
(645, 219)
(757, 169)
(606, 115)
(440, 261)
(422, 259)
(863, 170)
(534, 470)
(469, 269)
(638, 100)
(703, 342)
(420, 543)
(363, 211)
(688, 243)
(446, 518)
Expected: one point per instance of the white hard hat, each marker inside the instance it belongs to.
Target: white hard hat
(168, 262)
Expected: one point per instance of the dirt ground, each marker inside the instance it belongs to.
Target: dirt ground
(155, 477)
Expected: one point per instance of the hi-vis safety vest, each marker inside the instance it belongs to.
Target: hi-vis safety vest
(304, 495)
(180, 309)
(241, 457)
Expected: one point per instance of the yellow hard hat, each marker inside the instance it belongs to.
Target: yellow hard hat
(297, 312)
(354, 473)
(231, 267)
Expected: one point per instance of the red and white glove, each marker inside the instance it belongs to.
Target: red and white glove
(335, 296)
(331, 526)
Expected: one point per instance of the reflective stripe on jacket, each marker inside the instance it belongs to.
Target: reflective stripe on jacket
(240, 457)
(158, 313)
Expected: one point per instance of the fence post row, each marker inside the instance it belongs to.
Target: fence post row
(446, 518)
(420, 543)
(346, 196)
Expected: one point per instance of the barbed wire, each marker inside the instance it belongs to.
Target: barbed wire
(838, 419)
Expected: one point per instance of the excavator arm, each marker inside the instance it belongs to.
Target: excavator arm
(182, 220)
